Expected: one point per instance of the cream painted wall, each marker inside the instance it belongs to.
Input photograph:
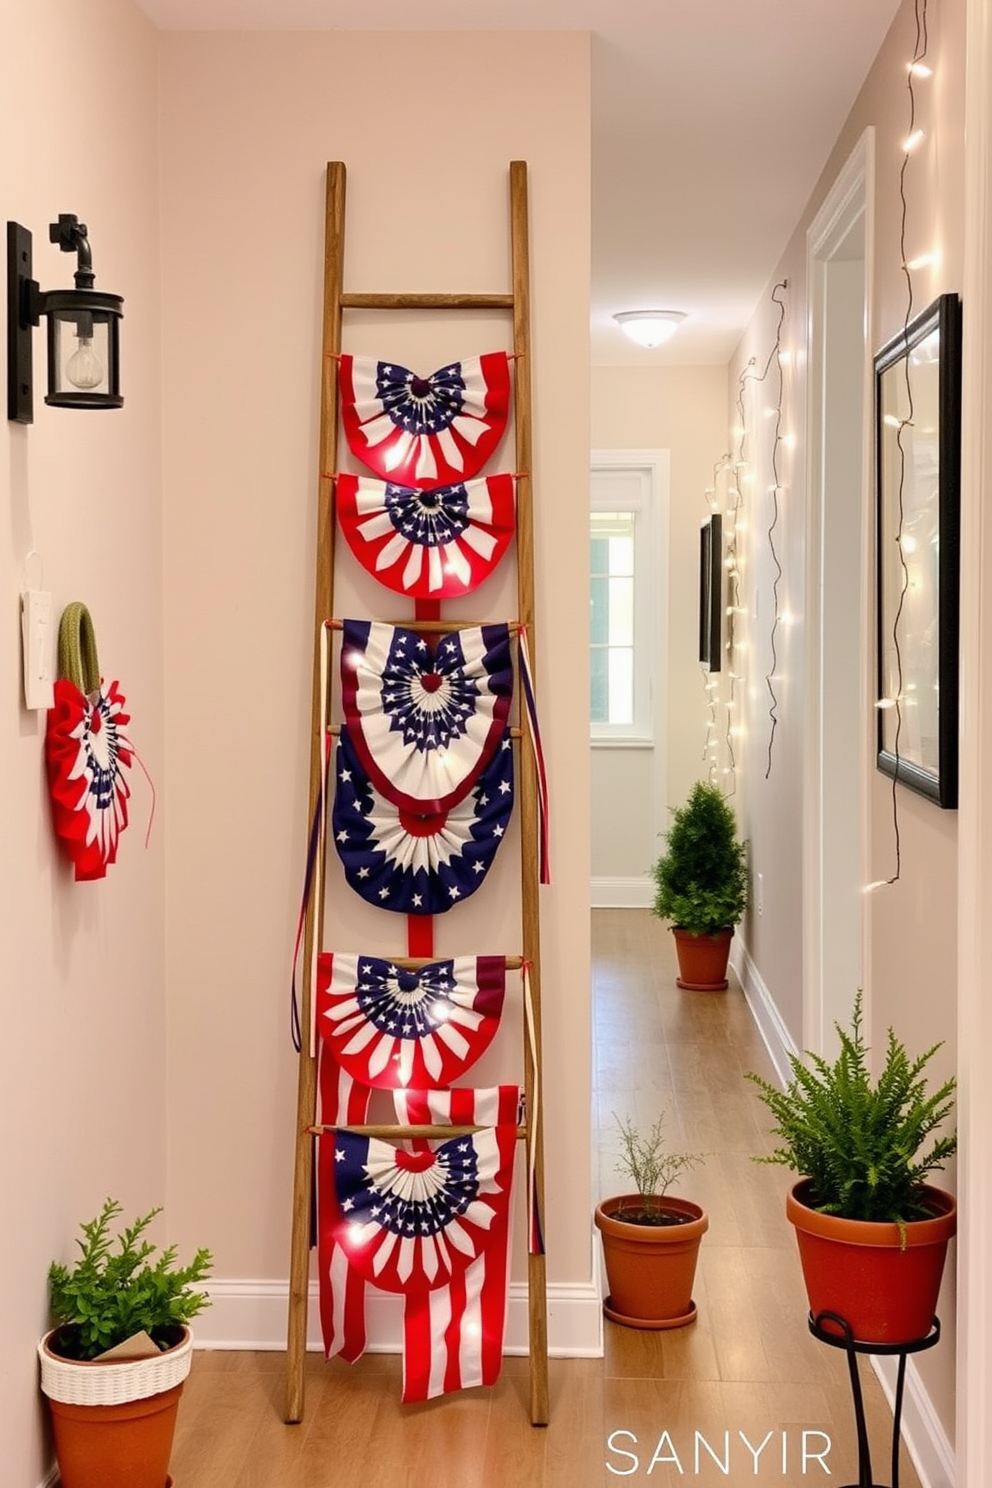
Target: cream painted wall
(249, 122)
(82, 1051)
(682, 409)
(912, 925)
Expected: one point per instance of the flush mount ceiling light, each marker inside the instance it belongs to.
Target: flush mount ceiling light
(83, 325)
(649, 327)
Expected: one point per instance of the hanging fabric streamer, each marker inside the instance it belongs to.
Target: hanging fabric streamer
(395, 1027)
(86, 751)
(424, 431)
(413, 864)
(425, 716)
(439, 543)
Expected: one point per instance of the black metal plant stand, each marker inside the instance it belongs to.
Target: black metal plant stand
(853, 1347)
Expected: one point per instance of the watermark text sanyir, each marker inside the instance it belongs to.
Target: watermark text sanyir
(777, 1454)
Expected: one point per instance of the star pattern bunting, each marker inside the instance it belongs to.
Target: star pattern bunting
(393, 1027)
(424, 431)
(425, 717)
(413, 864)
(86, 751)
(434, 544)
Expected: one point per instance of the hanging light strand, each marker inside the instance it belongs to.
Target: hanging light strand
(710, 685)
(776, 355)
(917, 69)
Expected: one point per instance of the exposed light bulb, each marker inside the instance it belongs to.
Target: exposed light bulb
(84, 368)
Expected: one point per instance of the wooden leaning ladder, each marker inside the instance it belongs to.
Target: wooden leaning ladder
(336, 301)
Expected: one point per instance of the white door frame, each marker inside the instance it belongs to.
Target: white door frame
(974, 1313)
(835, 835)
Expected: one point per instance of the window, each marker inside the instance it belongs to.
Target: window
(623, 640)
(611, 617)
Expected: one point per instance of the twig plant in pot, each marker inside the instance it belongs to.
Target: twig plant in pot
(650, 1238)
(114, 1364)
(872, 1233)
(701, 886)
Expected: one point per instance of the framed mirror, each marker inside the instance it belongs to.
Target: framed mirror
(918, 462)
(711, 592)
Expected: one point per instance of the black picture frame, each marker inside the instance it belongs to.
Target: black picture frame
(918, 495)
(711, 593)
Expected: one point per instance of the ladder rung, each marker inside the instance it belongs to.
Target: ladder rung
(427, 302)
(398, 1130)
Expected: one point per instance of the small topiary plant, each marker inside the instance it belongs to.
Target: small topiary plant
(861, 1145)
(112, 1293)
(701, 881)
(652, 1169)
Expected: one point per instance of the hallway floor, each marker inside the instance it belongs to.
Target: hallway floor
(747, 1367)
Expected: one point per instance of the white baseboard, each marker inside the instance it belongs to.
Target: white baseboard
(623, 893)
(253, 1315)
(777, 1038)
(926, 1440)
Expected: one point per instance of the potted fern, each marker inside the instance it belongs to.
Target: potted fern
(701, 886)
(650, 1238)
(114, 1363)
(872, 1233)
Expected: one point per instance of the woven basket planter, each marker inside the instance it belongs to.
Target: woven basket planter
(114, 1420)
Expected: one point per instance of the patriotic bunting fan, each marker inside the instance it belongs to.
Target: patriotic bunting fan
(425, 718)
(424, 431)
(390, 1027)
(86, 751)
(434, 544)
(418, 864)
(427, 1220)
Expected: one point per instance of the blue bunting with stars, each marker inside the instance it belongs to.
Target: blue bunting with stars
(418, 864)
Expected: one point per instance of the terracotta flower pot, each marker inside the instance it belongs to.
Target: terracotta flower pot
(650, 1268)
(103, 1438)
(886, 1292)
(702, 959)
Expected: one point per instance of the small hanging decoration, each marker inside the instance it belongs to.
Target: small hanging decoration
(425, 716)
(86, 751)
(434, 544)
(394, 1027)
(419, 864)
(424, 431)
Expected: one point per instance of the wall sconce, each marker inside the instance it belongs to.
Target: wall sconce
(650, 327)
(83, 328)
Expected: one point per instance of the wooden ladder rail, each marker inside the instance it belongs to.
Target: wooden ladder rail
(335, 301)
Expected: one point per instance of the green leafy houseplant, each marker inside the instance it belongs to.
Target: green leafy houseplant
(863, 1146)
(645, 1159)
(701, 880)
(116, 1288)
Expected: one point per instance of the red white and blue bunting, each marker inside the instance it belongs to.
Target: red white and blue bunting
(418, 864)
(430, 1221)
(86, 753)
(424, 431)
(439, 543)
(394, 1027)
(425, 716)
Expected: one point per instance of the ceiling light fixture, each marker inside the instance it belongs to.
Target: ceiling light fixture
(649, 327)
(83, 351)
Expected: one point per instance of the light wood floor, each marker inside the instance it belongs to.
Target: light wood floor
(747, 1366)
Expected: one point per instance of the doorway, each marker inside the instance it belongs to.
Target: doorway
(838, 550)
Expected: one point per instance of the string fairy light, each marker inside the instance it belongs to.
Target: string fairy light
(711, 686)
(917, 70)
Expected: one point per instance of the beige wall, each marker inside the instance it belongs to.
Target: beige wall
(683, 410)
(249, 122)
(82, 1047)
(912, 925)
